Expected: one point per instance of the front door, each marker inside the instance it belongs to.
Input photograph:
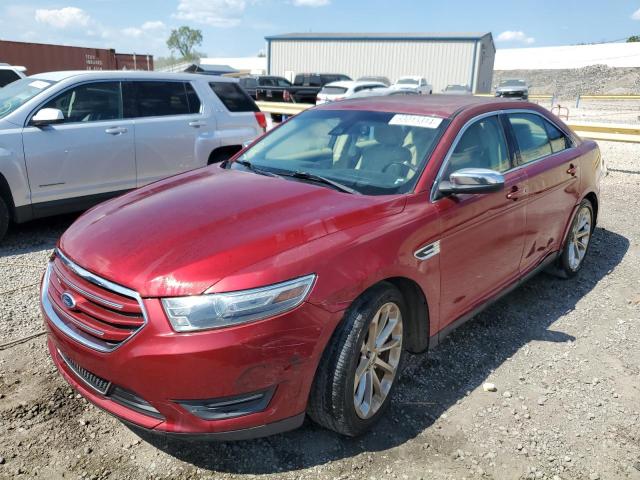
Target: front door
(482, 235)
(91, 152)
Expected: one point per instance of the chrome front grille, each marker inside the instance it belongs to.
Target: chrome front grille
(93, 311)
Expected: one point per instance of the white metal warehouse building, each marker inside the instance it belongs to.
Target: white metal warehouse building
(443, 59)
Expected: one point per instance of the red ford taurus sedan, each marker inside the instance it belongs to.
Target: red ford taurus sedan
(233, 300)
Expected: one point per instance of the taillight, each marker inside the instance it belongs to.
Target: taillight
(286, 96)
(262, 121)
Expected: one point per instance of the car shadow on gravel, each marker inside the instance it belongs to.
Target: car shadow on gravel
(35, 236)
(431, 384)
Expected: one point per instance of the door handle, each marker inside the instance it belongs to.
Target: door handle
(116, 130)
(197, 124)
(572, 170)
(513, 193)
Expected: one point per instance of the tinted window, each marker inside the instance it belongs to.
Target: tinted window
(531, 136)
(267, 82)
(482, 145)
(91, 102)
(192, 98)
(283, 82)
(558, 140)
(7, 76)
(157, 99)
(233, 97)
(248, 82)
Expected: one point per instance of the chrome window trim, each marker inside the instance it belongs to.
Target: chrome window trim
(74, 334)
(465, 127)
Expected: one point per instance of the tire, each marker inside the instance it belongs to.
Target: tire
(578, 241)
(4, 218)
(337, 401)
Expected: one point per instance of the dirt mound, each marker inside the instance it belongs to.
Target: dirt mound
(592, 80)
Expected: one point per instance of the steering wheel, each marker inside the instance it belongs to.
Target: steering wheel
(402, 164)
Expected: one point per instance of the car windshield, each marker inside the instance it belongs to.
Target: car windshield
(513, 83)
(407, 81)
(373, 153)
(457, 88)
(19, 92)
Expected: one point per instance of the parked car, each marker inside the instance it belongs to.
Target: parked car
(292, 279)
(335, 91)
(457, 90)
(69, 140)
(382, 92)
(417, 84)
(513, 88)
(304, 89)
(10, 73)
(384, 80)
(267, 88)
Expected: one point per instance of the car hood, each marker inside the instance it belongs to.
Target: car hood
(182, 235)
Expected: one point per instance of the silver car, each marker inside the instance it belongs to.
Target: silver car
(69, 140)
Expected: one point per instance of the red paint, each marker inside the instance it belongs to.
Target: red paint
(217, 230)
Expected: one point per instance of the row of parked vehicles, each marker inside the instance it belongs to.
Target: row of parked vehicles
(292, 277)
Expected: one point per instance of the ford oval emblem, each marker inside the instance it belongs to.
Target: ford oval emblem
(68, 300)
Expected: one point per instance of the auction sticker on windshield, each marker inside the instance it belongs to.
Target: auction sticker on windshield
(415, 121)
(39, 84)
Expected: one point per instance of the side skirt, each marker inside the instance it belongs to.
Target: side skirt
(436, 339)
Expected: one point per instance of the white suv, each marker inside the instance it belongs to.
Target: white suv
(10, 73)
(69, 140)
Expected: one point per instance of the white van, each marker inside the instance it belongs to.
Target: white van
(69, 140)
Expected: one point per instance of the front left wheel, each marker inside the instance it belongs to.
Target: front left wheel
(360, 366)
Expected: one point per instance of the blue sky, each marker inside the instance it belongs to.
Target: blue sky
(238, 27)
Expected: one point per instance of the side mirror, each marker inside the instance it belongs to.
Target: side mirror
(47, 116)
(472, 180)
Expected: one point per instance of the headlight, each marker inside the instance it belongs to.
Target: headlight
(188, 314)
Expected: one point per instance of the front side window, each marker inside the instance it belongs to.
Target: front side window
(90, 102)
(531, 136)
(559, 141)
(374, 153)
(16, 94)
(482, 145)
(283, 82)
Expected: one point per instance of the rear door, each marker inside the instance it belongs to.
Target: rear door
(91, 152)
(168, 121)
(483, 234)
(551, 163)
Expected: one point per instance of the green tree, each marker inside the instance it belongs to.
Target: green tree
(633, 38)
(183, 40)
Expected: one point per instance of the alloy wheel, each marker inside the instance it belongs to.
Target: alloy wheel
(579, 239)
(380, 355)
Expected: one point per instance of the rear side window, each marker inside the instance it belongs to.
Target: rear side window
(90, 102)
(233, 97)
(192, 98)
(159, 99)
(558, 140)
(334, 90)
(7, 76)
(531, 135)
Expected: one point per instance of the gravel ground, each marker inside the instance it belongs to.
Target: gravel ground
(564, 357)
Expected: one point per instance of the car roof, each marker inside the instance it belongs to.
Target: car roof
(133, 74)
(353, 83)
(445, 106)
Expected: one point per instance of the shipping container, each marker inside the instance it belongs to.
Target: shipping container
(41, 57)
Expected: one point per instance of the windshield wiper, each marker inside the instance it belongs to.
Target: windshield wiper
(319, 179)
(249, 166)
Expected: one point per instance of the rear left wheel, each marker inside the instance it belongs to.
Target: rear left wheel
(578, 240)
(359, 369)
